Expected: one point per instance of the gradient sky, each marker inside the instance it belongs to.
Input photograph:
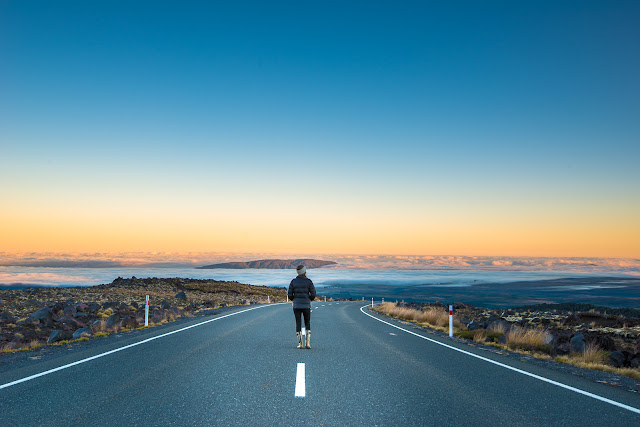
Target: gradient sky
(472, 128)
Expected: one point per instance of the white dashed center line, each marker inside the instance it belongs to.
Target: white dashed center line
(300, 388)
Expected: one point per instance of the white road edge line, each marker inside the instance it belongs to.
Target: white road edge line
(300, 387)
(69, 365)
(520, 371)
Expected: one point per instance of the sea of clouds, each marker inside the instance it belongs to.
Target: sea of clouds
(369, 262)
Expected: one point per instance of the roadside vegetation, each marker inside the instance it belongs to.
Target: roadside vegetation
(532, 341)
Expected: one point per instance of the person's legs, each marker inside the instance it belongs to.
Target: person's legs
(307, 326)
(297, 312)
(307, 318)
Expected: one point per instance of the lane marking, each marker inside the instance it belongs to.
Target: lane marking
(520, 371)
(300, 387)
(69, 365)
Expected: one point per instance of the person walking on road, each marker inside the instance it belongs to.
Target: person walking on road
(301, 293)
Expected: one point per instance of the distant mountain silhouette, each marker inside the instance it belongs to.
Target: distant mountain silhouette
(272, 264)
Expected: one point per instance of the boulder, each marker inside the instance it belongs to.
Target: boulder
(123, 307)
(473, 325)
(70, 322)
(577, 343)
(83, 317)
(502, 339)
(181, 296)
(6, 317)
(81, 332)
(94, 307)
(134, 304)
(96, 325)
(113, 321)
(165, 305)
(69, 309)
(561, 345)
(44, 316)
(110, 304)
(604, 342)
(617, 359)
(82, 308)
(129, 322)
(499, 323)
(59, 335)
(635, 363)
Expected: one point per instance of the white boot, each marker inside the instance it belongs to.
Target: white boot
(299, 335)
(308, 338)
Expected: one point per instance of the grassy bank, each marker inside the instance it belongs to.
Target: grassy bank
(532, 341)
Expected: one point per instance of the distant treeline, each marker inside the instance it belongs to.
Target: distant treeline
(572, 306)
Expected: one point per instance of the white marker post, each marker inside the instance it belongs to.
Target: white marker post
(450, 320)
(371, 302)
(268, 299)
(325, 299)
(382, 300)
(146, 311)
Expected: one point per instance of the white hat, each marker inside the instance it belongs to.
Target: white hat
(301, 270)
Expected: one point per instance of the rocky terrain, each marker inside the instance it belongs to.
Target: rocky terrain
(572, 328)
(34, 316)
(272, 264)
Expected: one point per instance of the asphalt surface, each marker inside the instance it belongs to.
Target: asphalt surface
(241, 370)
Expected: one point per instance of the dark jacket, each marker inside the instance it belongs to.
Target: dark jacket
(302, 292)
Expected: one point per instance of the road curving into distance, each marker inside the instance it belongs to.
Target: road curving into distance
(243, 367)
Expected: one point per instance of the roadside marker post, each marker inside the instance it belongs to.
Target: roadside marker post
(371, 302)
(325, 299)
(268, 299)
(451, 320)
(146, 311)
(382, 300)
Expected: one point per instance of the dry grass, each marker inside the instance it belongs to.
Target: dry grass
(577, 360)
(433, 317)
(535, 339)
(100, 326)
(480, 336)
(498, 328)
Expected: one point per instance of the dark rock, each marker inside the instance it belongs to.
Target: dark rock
(82, 308)
(94, 307)
(634, 363)
(59, 335)
(617, 359)
(545, 321)
(499, 324)
(83, 317)
(604, 342)
(112, 321)
(181, 296)
(80, 333)
(6, 317)
(71, 322)
(110, 304)
(134, 304)
(129, 322)
(572, 319)
(123, 307)
(165, 305)
(561, 345)
(577, 343)
(502, 339)
(96, 325)
(69, 309)
(44, 316)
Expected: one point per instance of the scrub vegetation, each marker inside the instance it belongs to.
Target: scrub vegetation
(536, 341)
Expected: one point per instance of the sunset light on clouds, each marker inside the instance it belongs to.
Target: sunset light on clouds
(321, 128)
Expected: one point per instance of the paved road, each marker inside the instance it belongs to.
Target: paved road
(241, 370)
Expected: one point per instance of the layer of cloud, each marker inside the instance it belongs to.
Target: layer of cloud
(377, 262)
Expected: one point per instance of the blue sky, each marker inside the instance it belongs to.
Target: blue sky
(482, 107)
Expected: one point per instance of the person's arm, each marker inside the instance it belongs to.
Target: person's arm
(312, 290)
(290, 291)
